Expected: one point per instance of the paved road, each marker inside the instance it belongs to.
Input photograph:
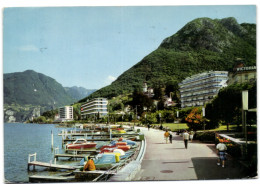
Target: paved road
(165, 162)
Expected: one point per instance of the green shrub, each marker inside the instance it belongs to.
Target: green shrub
(234, 150)
(205, 136)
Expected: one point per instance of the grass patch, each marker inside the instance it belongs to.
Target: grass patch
(174, 126)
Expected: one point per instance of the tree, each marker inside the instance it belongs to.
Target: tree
(140, 101)
(194, 119)
(226, 107)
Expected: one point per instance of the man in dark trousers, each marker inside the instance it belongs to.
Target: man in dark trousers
(170, 137)
(186, 138)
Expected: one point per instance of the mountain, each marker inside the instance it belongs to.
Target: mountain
(78, 93)
(201, 45)
(28, 93)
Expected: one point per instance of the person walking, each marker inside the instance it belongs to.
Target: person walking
(221, 147)
(191, 135)
(186, 138)
(170, 137)
(148, 126)
(166, 136)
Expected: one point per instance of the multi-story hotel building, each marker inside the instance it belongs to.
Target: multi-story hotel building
(200, 89)
(66, 113)
(242, 74)
(94, 107)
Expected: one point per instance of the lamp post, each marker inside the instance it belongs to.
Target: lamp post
(135, 113)
(160, 118)
(203, 115)
(178, 119)
(244, 113)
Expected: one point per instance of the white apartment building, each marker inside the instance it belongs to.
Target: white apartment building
(94, 107)
(200, 89)
(66, 113)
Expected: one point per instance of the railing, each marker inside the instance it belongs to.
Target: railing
(32, 155)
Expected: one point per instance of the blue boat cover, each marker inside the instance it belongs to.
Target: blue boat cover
(106, 159)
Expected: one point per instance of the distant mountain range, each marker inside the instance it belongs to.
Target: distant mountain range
(26, 91)
(201, 45)
(78, 93)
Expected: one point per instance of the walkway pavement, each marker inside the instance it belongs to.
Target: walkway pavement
(167, 162)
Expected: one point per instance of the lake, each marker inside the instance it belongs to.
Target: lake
(20, 140)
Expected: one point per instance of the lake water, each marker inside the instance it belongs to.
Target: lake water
(20, 140)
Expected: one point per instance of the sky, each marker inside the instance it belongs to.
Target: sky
(91, 46)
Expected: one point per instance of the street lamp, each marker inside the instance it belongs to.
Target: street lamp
(203, 115)
(160, 118)
(244, 112)
(136, 113)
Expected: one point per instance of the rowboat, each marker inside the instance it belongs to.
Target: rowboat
(81, 144)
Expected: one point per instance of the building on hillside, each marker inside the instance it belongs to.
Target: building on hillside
(65, 113)
(242, 74)
(200, 89)
(148, 91)
(168, 101)
(95, 107)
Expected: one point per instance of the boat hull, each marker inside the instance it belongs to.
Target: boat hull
(81, 146)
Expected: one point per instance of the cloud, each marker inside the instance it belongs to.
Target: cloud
(29, 48)
(110, 79)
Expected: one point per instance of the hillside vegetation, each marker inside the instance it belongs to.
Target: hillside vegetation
(201, 45)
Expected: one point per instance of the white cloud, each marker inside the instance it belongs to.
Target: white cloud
(110, 79)
(29, 48)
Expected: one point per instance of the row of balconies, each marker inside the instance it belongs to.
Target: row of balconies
(202, 83)
(199, 94)
(94, 104)
(95, 112)
(94, 109)
(203, 77)
(201, 99)
(202, 88)
(96, 101)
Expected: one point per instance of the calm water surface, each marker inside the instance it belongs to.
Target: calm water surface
(20, 140)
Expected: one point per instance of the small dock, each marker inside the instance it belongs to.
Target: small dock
(41, 178)
(45, 164)
(82, 151)
(90, 140)
(94, 135)
(49, 165)
(70, 156)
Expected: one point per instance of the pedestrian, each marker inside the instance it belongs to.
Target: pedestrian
(221, 147)
(161, 127)
(170, 137)
(166, 136)
(191, 135)
(149, 126)
(186, 138)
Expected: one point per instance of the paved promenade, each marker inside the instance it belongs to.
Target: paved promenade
(165, 162)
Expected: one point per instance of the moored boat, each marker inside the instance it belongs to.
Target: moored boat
(81, 144)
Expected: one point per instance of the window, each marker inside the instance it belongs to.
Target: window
(246, 77)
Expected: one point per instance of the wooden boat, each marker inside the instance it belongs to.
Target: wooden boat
(81, 144)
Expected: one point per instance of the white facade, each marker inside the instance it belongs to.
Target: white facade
(66, 113)
(200, 89)
(94, 107)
